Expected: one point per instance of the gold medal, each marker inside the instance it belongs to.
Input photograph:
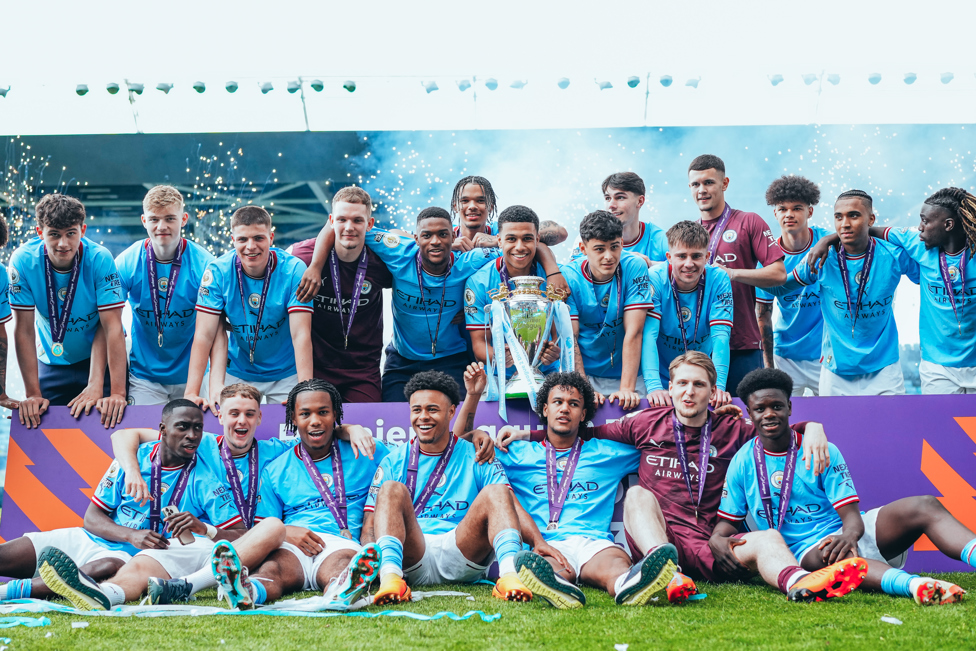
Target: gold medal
(57, 349)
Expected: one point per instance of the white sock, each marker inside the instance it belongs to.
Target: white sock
(506, 566)
(201, 580)
(917, 581)
(619, 583)
(793, 579)
(115, 594)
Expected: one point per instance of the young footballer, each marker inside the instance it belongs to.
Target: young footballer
(475, 204)
(609, 300)
(255, 286)
(565, 492)
(691, 310)
(738, 242)
(347, 324)
(74, 286)
(437, 515)
(819, 517)
(160, 277)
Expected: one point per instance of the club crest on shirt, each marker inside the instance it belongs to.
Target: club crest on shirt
(254, 300)
(953, 274)
(328, 480)
(777, 479)
(367, 286)
(713, 451)
(606, 301)
(442, 481)
(62, 293)
(469, 296)
(240, 475)
(163, 487)
(14, 275)
(163, 283)
(685, 314)
(729, 236)
(857, 278)
(207, 279)
(561, 463)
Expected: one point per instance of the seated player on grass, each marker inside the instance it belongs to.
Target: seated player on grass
(565, 492)
(130, 523)
(437, 515)
(114, 523)
(819, 518)
(318, 490)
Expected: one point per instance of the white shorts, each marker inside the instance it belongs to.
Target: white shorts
(311, 564)
(805, 373)
(578, 550)
(145, 392)
(886, 382)
(608, 385)
(443, 562)
(867, 547)
(179, 560)
(74, 542)
(938, 379)
(274, 391)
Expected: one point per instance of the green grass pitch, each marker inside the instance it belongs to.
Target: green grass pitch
(732, 617)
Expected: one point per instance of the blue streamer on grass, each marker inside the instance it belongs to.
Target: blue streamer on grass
(30, 622)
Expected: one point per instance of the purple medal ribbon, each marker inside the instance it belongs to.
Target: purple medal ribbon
(559, 490)
(703, 454)
(947, 281)
(155, 488)
(413, 465)
(357, 289)
(619, 277)
(699, 301)
(713, 243)
(337, 502)
(865, 270)
(59, 322)
(440, 306)
(174, 273)
(264, 295)
(765, 492)
(246, 507)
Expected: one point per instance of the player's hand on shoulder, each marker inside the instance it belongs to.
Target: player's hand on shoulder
(558, 282)
(146, 539)
(199, 401)
(136, 488)
(31, 409)
(600, 398)
(462, 244)
(728, 410)
(507, 435)
(361, 441)
(626, 399)
(305, 540)
(815, 448)
(112, 408)
(475, 378)
(647, 261)
(309, 285)
(818, 254)
(721, 399)
(84, 401)
(484, 445)
(659, 398)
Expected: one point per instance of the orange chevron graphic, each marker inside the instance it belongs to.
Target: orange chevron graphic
(39, 504)
(84, 456)
(957, 493)
(968, 425)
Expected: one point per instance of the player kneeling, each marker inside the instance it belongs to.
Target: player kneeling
(437, 515)
(831, 527)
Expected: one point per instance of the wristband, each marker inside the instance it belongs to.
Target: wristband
(211, 531)
(554, 273)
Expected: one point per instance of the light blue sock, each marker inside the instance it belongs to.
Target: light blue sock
(969, 553)
(507, 544)
(17, 589)
(897, 582)
(260, 594)
(391, 553)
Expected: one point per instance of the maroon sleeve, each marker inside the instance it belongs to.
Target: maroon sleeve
(303, 250)
(621, 431)
(764, 244)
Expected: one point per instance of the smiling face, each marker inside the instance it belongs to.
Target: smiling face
(435, 237)
(164, 224)
(350, 221)
(622, 204)
(240, 417)
(315, 421)
(564, 411)
(770, 411)
(62, 243)
(687, 264)
(430, 416)
(253, 243)
(708, 188)
(690, 390)
(472, 206)
(518, 241)
(933, 228)
(181, 432)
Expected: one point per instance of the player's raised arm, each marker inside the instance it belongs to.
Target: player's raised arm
(551, 233)
(203, 340)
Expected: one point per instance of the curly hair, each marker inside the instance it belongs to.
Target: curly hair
(857, 194)
(962, 205)
(764, 378)
(59, 211)
(601, 225)
(518, 215)
(433, 381)
(491, 201)
(571, 380)
(314, 385)
(792, 187)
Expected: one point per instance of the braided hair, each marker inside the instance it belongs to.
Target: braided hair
(859, 194)
(313, 385)
(962, 206)
(491, 201)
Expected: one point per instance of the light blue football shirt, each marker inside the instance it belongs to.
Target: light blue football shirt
(589, 504)
(288, 493)
(590, 302)
(274, 354)
(662, 327)
(99, 289)
(652, 242)
(457, 489)
(147, 360)
(5, 314)
(813, 503)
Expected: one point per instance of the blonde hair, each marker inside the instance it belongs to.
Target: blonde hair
(695, 358)
(354, 194)
(242, 390)
(161, 196)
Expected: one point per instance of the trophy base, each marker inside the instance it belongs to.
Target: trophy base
(518, 387)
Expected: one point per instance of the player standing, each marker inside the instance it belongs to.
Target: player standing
(475, 204)
(739, 241)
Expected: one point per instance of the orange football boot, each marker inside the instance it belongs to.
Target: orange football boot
(393, 590)
(830, 582)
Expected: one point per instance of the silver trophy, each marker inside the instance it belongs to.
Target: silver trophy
(530, 310)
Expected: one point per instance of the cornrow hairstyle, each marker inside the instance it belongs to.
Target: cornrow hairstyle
(962, 205)
(601, 225)
(792, 188)
(178, 403)
(313, 385)
(491, 201)
(571, 380)
(433, 381)
(860, 194)
(764, 378)
(433, 212)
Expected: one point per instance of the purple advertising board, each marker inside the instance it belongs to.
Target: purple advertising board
(896, 446)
